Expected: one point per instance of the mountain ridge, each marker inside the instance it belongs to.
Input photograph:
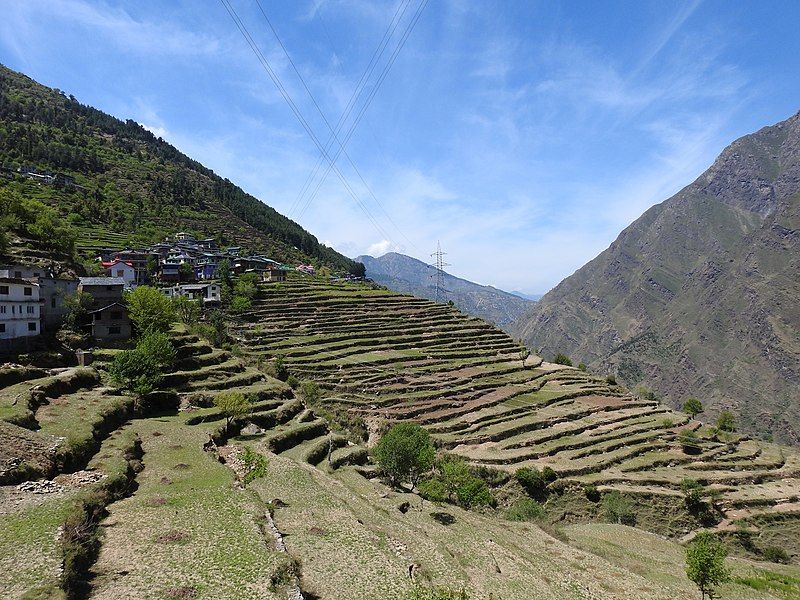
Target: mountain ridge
(403, 273)
(696, 297)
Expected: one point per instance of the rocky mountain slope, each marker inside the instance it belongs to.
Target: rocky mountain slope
(699, 296)
(405, 274)
(131, 186)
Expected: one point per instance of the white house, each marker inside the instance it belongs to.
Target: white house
(208, 293)
(20, 311)
(121, 269)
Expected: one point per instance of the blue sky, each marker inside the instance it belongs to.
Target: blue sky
(523, 135)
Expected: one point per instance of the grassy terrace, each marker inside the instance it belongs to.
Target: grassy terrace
(393, 357)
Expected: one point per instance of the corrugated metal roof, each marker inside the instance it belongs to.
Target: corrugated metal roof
(101, 281)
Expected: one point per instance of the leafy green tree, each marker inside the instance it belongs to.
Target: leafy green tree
(78, 305)
(618, 509)
(405, 453)
(310, 392)
(726, 421)
(474, 492)
(562, 359)
(433, 489)
(524, 353)
(705, 563)
(525, 509)
(141, 369)
(692, 494)
(188, 311)
(232, 405)
(454, 474)
(150, 310)
(533, 482)
(240, 304)
(224, 272)
(692, 407)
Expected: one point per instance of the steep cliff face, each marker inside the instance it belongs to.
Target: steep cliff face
(700, 296)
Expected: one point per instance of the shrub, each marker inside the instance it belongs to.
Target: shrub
(454, 474)
(281, 372)
(705, 563)
(692, 494)
(232, 405)
(726, 421)
(405, 452)
(255, 465)
(532, 481)
(310, 392)
(433, 489)
(692, 407)
(188, 311)
(140, 369)
(611, 379)
(667, 422)
(776, 555)
(474, 492)
(562, 359)
(618, 509)
(240, 304)
(293, 382)
(582, 367)
(525, 509)
(150, 310)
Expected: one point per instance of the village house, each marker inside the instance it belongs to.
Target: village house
(53, 292)
(138, 259)
(274, 274)
(182, 236)
(109, 323)
(103, 290)
(170, 272)
(19, 308)
(123, 270)
(207, 293)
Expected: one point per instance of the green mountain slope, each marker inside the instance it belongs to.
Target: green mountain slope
(135, 187)
(699, 296)
(402, 273)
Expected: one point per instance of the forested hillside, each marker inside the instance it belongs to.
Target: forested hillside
(128, 181)
(699, 296)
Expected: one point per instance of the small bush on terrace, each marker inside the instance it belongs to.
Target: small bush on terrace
(454, 481)
(232, 405)
(310, 392)
(525, 509)
(562, 359)
(255, 465)
(405, 453)
(611, 379)
(776, 555)
(618, 509)
(692, 494)
(433, 490)
(534, 481)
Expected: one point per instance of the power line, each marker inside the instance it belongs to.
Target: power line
(334, 135)
(287, 97)
(409, 28)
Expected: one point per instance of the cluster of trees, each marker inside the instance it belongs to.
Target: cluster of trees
(35, 220)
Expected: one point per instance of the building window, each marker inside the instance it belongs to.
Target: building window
(28, 291)
(31, 326)
(114, 331)
(120, 273)
(2, 310)
(30, 310)
(53, 302)
(4, 289)
(2, 327)
(116, 315)
(18, 274)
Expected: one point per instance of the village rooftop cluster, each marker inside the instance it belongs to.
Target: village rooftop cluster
(33, 300)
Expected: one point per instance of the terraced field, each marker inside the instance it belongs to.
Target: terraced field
(388, 357)
(182, 518)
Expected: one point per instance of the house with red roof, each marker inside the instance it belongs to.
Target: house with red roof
(122, 269)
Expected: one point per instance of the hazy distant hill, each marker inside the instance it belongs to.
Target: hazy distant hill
(405, 274)
(700, 296)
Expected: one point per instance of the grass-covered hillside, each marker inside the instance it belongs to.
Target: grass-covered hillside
(106, 494)
(133, 187)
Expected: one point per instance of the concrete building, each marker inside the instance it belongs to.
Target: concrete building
(103, 290)
(273, 274)
(53, 293)
(207, 293)
(122, 269)
(110, 323)
(20, 315)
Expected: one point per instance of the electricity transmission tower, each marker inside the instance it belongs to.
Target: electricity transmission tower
(439, 272)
